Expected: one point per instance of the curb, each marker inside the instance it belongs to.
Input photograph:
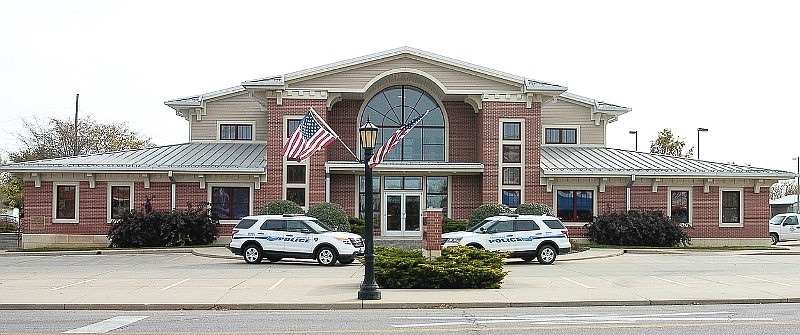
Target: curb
(98, 252)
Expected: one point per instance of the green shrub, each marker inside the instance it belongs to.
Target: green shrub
(194, 226)
(282, 207)
(8, 227)
(533, 208)
(635, 228)
(356, 225)
(148, 228)
(485, 211)
(458, 267)
(330, 213)
(449, 225)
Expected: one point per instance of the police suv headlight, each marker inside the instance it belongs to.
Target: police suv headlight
(344, 240)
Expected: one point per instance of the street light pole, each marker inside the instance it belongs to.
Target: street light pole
(369, 288)
(698, 140)
(636, 139)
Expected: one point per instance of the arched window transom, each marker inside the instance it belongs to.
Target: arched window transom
(398, 105)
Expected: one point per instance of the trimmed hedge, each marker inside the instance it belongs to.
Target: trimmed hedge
(279, 207)
(148, 228)
(635, 228)
(356, 225)
(458, 267)
(330, 213)
(449, 225)
(485, 211)
(533, 208)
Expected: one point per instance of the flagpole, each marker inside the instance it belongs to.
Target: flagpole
(328, 128)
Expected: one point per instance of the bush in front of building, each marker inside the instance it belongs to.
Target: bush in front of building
(635, 228)
(330, 213)
(356, 225)
(450, 225)
(148, 228)
(485, 211)
(533, 208)
(458, 267)
(279, 207)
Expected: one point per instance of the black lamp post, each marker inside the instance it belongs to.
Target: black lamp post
(699, 130)
(369, 289)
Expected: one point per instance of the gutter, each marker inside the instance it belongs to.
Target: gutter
(628, 192)
(173, 189)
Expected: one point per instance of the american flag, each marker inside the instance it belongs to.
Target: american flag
(394, 140)
(307, 139)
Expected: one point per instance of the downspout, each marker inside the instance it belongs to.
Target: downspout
(173, 187)
(327, 183)
(628, 192)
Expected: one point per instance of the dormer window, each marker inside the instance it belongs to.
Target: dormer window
(236, 132)
(561, 136)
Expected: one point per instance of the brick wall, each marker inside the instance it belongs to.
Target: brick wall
(462, 126)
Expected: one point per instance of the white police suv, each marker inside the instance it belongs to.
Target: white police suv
(293, 236)
(525, 236)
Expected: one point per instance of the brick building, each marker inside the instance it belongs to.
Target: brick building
(490, 137)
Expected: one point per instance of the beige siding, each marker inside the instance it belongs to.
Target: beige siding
(232, 109)
(357, 78)
(563, 113)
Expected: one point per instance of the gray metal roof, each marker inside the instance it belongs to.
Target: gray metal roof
(207, 157)
(598, 161)
(785, 200)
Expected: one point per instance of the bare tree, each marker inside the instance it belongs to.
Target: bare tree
(667, 144)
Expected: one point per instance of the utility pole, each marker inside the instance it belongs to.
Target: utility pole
(76, 124)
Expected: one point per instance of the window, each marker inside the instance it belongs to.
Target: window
(396, 106)
(503, 227)
(511, 176)
(277, 225)
(236, 132)
(120, 201)
(66, 202)
(402, 183)
(679, 206)
(561, 136)
(511, 198)
(731, 206)
(575, 206)
(230, 203)
(511, 153)
(296, 174)
(511, 131)
(436, 193)
(511, 169)
(296, 195)
(376, 196)
(291, 125)
(791, 221)
(525, 225)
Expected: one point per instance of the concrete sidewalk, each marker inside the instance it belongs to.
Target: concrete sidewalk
(213, 278)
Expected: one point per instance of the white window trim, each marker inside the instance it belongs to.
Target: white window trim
(250, 123)
(561, 126)
(741, 208)
(108, 197)
(690, 204)
(210, 188)
(425, 192)
(286, 162)
(77, 202)
(520, 165)
(574, 188)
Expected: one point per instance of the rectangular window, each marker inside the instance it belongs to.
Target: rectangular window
(511, 153)
(575, 206)
(436, 193)
(376, 197)
(679, 206)
(291, 125)
(230, 203)
(511, 131)
(236, 132)
(561, 136)
(296, 174)
(731, 207)
(296, 195)
(120, 201)
(511, 176)
(511, 198)
(66, 201)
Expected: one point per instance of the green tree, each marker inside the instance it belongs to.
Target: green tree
(56, 138)
(668, 144)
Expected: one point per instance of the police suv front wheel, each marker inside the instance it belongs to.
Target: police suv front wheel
(327, 256)
(546, 254)
(252, 254)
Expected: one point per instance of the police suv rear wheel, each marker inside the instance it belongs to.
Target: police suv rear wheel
(546, 254)
(326, 256)
(252, 254)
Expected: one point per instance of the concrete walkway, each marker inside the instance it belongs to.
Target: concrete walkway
(213, 278)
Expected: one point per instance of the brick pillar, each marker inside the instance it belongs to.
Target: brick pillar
(432, 233)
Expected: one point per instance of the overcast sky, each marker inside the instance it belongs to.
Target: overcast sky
(729, 66)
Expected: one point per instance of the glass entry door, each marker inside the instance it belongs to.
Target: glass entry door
(403, 214)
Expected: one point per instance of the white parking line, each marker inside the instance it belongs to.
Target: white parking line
(106, 325)
(176, 284)
(181, 256)
(73, 284)
(276, 284)
(764, 280)
(576, 283)
(671, 281)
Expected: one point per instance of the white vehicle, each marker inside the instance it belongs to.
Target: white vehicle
(525, 236)
(784, 227)
(293, 236)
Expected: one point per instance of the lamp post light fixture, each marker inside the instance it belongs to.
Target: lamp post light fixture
(636, 139)
(699, 130)
(369, 288)
(797, 186)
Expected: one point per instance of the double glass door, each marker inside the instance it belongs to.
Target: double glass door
(403, 214)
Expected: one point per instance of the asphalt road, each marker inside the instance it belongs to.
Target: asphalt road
(685, 319)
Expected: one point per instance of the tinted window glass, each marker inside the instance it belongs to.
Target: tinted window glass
(525, 225)
(791, 221)
(554, 224)
(295, 226)
(503, 226)
(245, 223)
(279, 225)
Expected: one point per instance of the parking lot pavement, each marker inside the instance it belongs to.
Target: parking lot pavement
(188, 281)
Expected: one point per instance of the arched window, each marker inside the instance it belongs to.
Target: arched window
(396, 106)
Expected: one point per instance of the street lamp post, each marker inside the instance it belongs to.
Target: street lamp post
(636, 139)
(699, 130)
(369, 289)
(797, 186)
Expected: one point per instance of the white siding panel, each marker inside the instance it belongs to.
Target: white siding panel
(233, 109)
(564, 113)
